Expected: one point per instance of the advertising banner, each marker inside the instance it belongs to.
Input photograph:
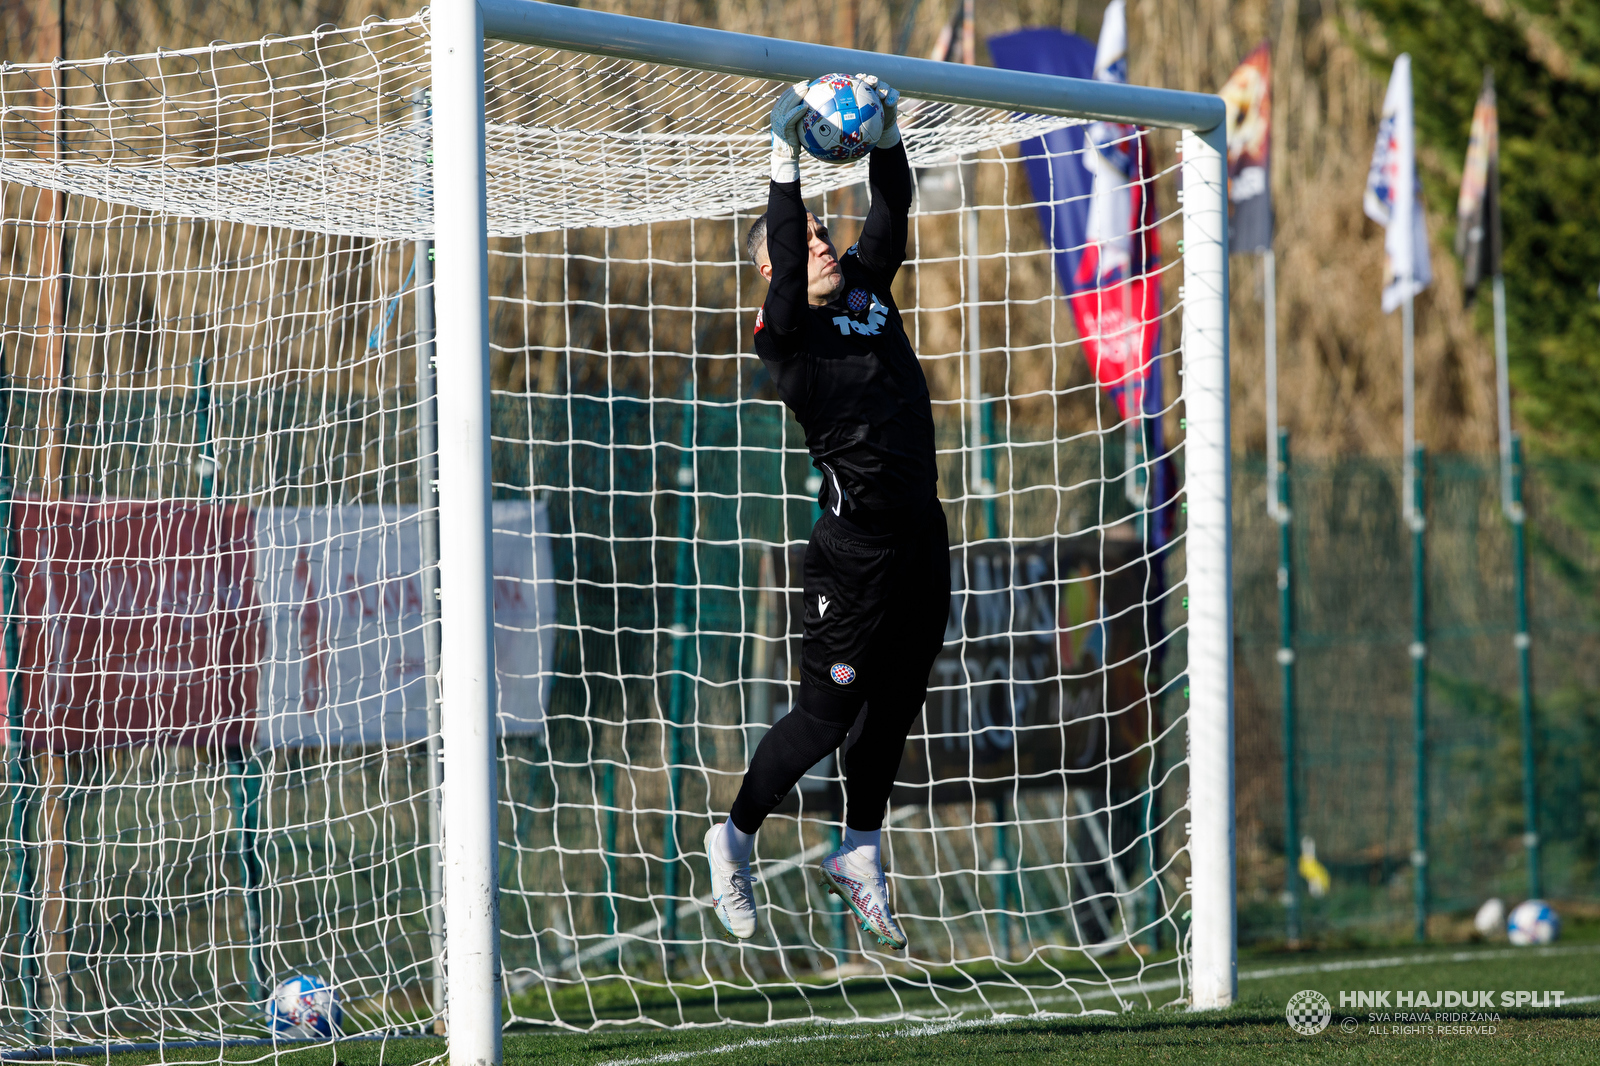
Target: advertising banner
(1046, 673)
(1394, 191)
(1093, 185)
(1477, 207)
(1248, 94)
(342, 595)
(137, 622)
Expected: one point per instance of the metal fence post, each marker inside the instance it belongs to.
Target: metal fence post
(1282, 514)
(1417, 463)
(1523, 643)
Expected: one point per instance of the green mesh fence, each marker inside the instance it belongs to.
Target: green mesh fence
(1352, 578)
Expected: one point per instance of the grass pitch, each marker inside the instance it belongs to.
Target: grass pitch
(1253, 1031)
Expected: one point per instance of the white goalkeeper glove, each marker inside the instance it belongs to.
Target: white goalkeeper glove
(890, 98)
(787, 114)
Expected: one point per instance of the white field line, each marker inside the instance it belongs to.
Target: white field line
(933, 1029)
(752, 1044)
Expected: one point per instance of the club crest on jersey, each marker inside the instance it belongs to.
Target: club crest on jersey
(860, 300)
(842, 673)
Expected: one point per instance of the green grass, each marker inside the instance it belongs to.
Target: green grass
(1253, 1031)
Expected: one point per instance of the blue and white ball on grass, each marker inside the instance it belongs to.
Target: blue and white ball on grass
(845, 118)
(304, 1006)
(1533, 922)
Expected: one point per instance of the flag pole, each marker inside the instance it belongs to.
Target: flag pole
(1508, 502)
(979, 485)
(1412, 488)
(1408, 443)
(1513, 510)
(1278, 511)
(1391, 201)
(1269, 277)
(1419, 690)
(1511, 478)
(1524, 645)
(1413, 503)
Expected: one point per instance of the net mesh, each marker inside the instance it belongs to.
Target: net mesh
(318, 133)
(220, 630)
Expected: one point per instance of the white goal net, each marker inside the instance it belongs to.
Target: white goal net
(219, 528)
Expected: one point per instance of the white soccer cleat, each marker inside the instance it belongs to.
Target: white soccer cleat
(861, 884)
(733, 894)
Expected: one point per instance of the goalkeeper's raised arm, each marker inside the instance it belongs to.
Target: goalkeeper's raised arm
(882, 244)
(877, 569)
(795, 264)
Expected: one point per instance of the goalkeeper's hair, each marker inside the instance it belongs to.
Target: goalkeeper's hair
(756, 238)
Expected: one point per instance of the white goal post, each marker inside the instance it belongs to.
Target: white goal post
(460, 28)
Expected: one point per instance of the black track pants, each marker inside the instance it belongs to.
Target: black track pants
(876, 608)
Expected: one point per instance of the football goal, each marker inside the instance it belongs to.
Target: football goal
(399, 541)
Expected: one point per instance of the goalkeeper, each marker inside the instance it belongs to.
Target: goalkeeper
(877, 569)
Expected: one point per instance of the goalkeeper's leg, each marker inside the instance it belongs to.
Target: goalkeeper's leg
(903, 649)
(906, 643)
(797, 742)
(853, 579)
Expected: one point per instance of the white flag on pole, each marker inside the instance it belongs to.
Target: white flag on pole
(1393, 192)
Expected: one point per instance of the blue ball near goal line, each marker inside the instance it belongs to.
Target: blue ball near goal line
(1533, 922)
(304, 1006)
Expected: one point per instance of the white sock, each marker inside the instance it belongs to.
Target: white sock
(736, 845)
(864, 842)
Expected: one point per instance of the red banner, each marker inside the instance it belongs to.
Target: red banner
(137, 622)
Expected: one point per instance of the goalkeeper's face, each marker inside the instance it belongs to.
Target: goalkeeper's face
(823, 277)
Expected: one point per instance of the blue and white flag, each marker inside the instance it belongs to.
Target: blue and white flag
(1394, 192)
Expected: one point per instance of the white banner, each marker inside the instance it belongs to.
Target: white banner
(342, 600)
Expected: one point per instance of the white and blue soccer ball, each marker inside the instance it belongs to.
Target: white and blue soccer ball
(845, 118)
(1533, 922)
(304, 1006)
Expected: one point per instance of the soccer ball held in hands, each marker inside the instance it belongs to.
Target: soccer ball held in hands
(845, 118)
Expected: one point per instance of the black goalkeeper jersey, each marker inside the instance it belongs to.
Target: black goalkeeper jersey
(847, 369)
